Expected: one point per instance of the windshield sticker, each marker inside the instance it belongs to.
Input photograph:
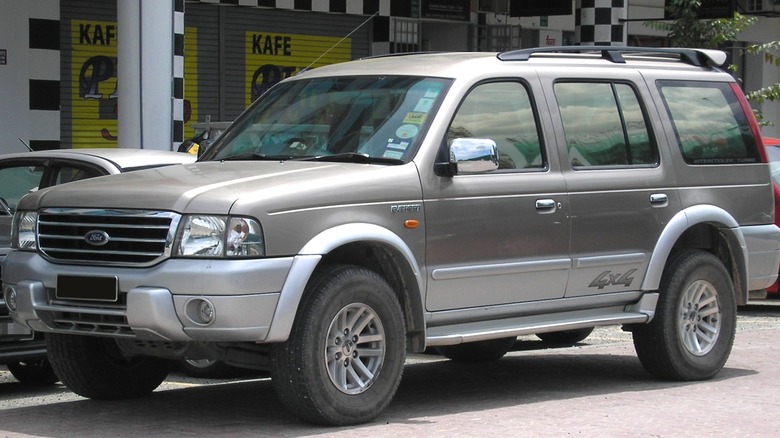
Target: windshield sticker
(396, 155)
(407, 131)
(424, 105)
(432, 93)
(416, 118)
(402, 145)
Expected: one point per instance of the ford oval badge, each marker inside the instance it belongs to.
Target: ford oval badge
(97, 237)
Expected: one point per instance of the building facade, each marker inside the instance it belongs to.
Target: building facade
(59, 59)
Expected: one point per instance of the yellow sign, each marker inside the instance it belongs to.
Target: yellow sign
(93, 84)
(271, 57)
(190, 80)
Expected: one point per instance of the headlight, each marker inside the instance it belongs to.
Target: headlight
(220, 236)
(23, 230)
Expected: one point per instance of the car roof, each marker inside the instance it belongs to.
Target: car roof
(471, 64)
(121, 158)
(770, 141)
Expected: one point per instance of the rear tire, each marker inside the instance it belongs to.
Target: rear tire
(691, 335)
(344, 358)
(95, 368)
(33, 372)
(480, 351)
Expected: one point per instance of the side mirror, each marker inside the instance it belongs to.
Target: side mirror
(470, 156)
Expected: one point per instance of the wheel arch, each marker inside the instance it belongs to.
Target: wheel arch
(361, 244)
(708, 228)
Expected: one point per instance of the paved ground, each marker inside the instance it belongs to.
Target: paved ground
(597, 389)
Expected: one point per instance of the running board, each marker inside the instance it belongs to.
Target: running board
(641, 312)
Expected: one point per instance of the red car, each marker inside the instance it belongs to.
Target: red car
(773, 154)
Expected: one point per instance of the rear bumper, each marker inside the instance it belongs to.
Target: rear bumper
(763, 251)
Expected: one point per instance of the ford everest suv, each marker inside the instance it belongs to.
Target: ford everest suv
(363, 211)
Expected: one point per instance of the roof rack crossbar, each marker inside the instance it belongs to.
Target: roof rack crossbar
(697, 57)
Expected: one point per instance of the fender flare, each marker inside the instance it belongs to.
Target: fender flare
(308, 258)
(680, 223)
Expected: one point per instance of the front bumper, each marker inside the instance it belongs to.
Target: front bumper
(155, 303)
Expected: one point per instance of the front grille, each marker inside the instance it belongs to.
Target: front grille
(129, 237)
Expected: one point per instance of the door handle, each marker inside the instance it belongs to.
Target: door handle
(547, 205)
(659, 199)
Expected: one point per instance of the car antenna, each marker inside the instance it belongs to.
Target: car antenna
(25, 144)
(342, 39)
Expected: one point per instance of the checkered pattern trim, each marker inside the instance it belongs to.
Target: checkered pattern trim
(598, 22)
(356, 7)
(178, 73)
(44, 82)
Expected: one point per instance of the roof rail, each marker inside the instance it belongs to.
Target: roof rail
(697, 57)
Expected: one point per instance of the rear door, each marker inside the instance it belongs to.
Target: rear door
(621, 189)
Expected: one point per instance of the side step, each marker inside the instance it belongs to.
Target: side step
(641, 312)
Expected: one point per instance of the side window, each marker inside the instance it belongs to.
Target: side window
(502, 112)
(709, 123)
(604, 125)
(16, 182)
(66, 174)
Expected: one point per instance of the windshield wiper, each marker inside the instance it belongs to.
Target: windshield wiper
(256, 156)
(351, 157)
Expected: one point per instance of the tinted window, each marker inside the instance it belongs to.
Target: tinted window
(502, 112)
(709, 123)
(16, 182)
(604, 125)
(773, 153)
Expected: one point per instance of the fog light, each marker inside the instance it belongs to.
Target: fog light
(206, 312)
(10, 298)
(201, 311)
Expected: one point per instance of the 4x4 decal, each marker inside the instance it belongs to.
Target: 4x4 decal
(607, 278)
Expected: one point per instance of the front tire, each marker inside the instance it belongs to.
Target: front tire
(345, 355)
(95, 368)
(33, 372)
(691, 336)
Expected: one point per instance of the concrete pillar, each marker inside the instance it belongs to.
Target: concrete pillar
(145, 73)
(598, 22)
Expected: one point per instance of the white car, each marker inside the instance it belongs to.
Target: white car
(22, 351)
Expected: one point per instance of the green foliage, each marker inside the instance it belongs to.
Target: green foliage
(687, 30)
(771, 52)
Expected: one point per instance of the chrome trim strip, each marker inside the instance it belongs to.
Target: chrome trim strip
(620, 259)
(500, 269)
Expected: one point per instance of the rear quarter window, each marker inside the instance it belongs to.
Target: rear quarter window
(709, 123)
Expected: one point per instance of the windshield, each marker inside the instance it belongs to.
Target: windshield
(374, 117)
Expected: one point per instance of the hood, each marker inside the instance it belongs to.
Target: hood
(231, 187)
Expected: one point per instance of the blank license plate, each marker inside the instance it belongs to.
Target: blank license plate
(75, 287)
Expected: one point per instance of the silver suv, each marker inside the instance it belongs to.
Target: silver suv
(363, 211)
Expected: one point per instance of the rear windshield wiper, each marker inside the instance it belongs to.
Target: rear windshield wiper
(351, 157)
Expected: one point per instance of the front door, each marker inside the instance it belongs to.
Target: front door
(499, 237)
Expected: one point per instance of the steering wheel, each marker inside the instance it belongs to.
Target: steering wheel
(295, 146)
